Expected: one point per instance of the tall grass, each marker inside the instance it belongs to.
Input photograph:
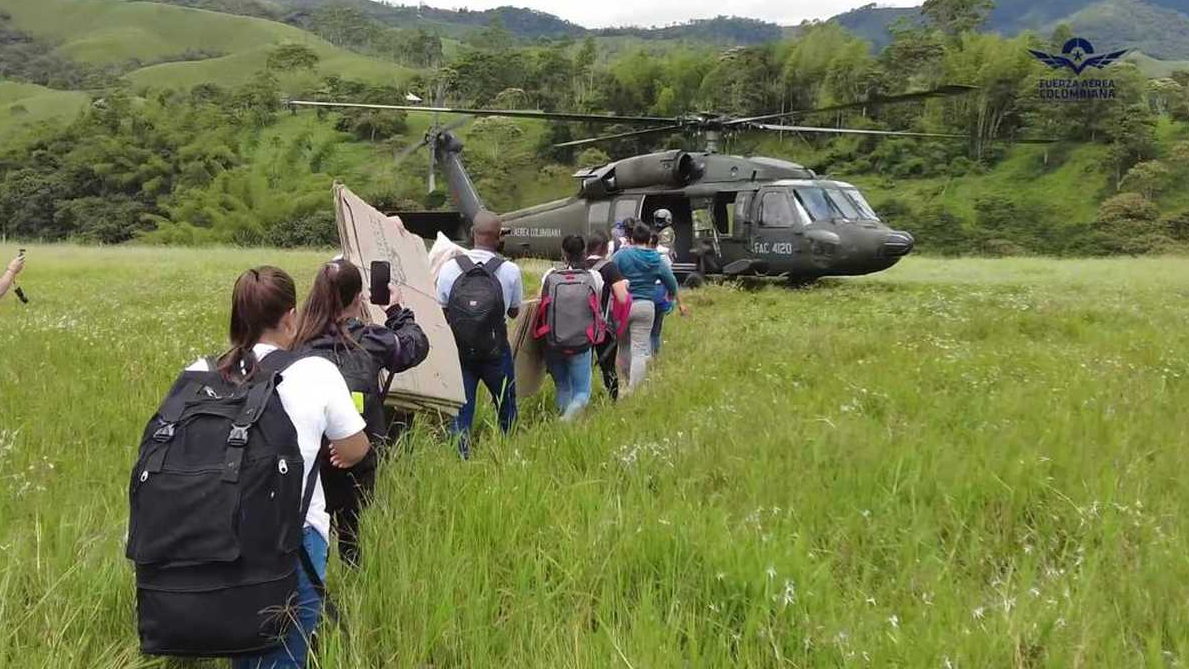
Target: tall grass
(952, 464)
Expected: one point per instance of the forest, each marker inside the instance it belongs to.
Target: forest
(217, 163)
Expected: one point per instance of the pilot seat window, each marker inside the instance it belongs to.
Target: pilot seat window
(626, 208)
(597, 215)
(777, 212)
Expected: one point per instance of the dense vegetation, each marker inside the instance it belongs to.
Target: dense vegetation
(218, 162)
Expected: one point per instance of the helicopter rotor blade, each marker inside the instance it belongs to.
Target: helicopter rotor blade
(621, 135)
(939, 92)
(409, 150)
(887, 133)
(508, 113)
(854, 131)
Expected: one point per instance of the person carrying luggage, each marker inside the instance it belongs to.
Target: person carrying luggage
(228, 525)
(570, 320)
(330, 325)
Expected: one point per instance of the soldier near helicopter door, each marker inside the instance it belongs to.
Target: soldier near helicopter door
(663, 225)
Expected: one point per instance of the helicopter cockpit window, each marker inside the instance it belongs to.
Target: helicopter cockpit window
(814, 201)
(861, 202)
(628, 207)
(843, 205)
(777, 212)
(597, 214)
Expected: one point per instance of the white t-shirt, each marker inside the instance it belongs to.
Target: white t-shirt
(508, 275)
(316, 398)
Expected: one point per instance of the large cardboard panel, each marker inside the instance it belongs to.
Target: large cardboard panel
(528, 352)
(367, 235)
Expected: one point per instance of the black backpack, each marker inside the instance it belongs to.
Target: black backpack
(475, 311)
(217, 516)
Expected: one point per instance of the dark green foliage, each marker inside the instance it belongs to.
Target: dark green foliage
(956, 16)
(720, 30)
(316, 229)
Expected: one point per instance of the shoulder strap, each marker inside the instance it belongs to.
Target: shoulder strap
(598, 267)
(280, 360)
(465, 262)
(307, 563)
(493, 265)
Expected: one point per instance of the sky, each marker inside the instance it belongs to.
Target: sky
(608, 13)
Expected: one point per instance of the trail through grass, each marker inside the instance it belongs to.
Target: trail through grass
(960, 463)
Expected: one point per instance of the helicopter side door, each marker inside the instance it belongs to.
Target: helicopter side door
(723, 239)
(779, 238)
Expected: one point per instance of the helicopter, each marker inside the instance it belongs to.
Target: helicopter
(733, 216)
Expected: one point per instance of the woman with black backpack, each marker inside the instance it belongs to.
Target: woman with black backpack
(228, 527)
(330, 326)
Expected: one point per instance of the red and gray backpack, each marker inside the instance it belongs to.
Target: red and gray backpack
(570, 317)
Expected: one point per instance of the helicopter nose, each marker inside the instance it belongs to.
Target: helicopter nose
(898, 244)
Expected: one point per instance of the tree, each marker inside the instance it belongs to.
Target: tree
(954, 17)
(289, 57)
(1148, 178)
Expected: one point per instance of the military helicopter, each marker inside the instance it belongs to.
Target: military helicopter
(733, 216)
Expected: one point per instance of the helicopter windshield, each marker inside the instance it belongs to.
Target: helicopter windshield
(843, 204)
(861, 202)
(824, 204)
(815, 203)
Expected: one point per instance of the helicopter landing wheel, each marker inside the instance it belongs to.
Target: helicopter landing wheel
(695, 280)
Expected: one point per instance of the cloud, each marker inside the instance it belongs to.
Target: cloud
(663, 12)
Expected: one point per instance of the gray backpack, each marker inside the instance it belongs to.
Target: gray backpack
(570, 316)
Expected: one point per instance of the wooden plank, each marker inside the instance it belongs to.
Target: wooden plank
(367, 235)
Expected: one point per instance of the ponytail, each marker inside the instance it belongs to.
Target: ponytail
(260, 299)
(335, 287)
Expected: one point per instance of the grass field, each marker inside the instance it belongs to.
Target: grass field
(958, 463)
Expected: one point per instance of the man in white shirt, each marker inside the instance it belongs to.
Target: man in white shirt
(499, 375)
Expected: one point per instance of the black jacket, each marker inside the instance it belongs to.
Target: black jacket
(398, 345)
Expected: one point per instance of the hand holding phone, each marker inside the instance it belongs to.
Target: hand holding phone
(381, 276)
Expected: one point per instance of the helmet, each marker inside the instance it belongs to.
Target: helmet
(663, 218)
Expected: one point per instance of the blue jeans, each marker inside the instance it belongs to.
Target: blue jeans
(571, 374)
(655, 335)
(500, 378)
(292, 654)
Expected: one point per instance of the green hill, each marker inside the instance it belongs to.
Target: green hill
(24, 104)
(1160, 28)
(177, 46)
(1155, 68)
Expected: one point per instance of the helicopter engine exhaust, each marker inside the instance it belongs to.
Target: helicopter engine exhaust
(674, 168)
